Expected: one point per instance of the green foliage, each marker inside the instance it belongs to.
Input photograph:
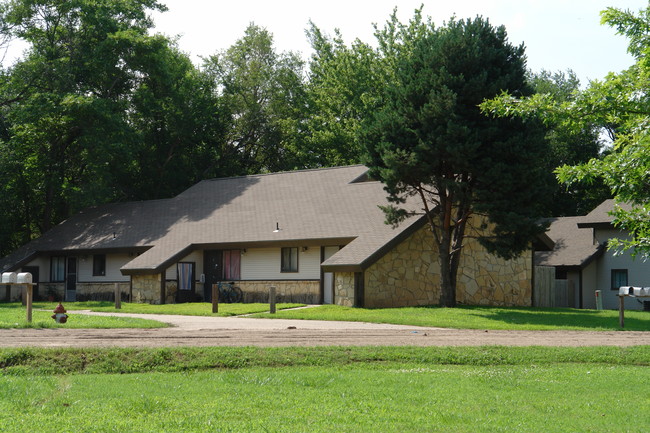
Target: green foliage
(619, 105)
(429, 138)
(264, 101)
(570, 146)
(97, 110)
(342, 88)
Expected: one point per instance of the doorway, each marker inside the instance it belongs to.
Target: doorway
(213, 270)
(71, 280)
(328, 277)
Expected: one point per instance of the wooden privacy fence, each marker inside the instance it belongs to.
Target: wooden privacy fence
(550, 292)
(543, 295)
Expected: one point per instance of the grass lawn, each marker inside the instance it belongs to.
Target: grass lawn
(478, 317)
(329, 390)
(187, 309)
(14, 315)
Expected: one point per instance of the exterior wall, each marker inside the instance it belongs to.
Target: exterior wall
(196, 256)
(146, 288)
(304, 291)
(344, 289)
(113, 264)
(589, 285)
(638, 274)
(409, 275)
(100, 291)
(264, 264)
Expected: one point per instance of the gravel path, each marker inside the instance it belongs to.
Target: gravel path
(239, 331)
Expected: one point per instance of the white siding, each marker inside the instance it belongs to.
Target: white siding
(264, 264)
(113, 264)
(43, 264)
(196, 257)
(638, 273)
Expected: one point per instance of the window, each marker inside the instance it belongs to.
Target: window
(57, 269)
(231, 264)
(289, 260)
(99, 265)
(619, 278)
(185, 273)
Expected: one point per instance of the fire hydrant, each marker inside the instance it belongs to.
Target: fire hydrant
(59, 315)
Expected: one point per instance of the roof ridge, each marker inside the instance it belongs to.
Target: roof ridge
(304, 170)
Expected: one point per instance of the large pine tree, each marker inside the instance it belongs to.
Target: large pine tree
(431, 140)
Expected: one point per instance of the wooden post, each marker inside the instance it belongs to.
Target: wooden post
(29, 289)
(621, 310)
(118, 297)
(272, 299)
(215, 298)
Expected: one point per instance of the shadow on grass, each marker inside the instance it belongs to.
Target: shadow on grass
(564, 318)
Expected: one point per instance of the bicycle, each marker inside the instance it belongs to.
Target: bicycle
(229, 293)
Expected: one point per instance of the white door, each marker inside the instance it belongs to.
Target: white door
(328, 277)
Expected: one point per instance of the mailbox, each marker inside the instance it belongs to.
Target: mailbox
(625, 291)
(24, 278)
(9, 278)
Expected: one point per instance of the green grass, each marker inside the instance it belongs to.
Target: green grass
(478, 317)
(187, 309)
(14, 315)
(331, 390)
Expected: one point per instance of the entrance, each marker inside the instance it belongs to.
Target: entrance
(185, 278)
(213, 269)
(71, 280)
(328, 277)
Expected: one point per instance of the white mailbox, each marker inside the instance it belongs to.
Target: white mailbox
(9, 278)
(24, 278)
(625, 290)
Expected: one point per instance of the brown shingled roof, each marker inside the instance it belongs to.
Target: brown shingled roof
(574, 246)
(336, 204)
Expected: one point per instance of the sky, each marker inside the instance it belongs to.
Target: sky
(558, 34)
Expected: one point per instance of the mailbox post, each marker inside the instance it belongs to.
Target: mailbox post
(21, 279)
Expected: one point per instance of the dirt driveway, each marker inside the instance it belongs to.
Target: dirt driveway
(238, 331)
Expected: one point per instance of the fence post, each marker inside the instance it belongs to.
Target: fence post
(272, 299)
(215, 298)
(118, 297)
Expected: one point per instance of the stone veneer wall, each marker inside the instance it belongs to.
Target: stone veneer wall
(298, 291)
(409, 275)
(344, 288)
(108, 289)
(146, 288)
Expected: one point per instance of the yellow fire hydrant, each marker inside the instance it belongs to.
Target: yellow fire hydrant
(59, 315)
